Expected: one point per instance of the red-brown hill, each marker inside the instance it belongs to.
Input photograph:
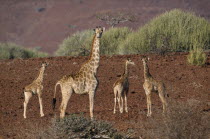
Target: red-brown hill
(45, 24)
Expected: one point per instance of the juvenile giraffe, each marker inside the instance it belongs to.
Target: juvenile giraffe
(121, 87)
(150, 85)
(35, 87)
(84, 81)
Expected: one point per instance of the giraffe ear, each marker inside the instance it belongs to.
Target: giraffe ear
(46, 63)
(103, 29)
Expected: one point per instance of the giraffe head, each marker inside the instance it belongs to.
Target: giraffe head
(145, 60)
(98, 31)
(44, 64)
(129, 61)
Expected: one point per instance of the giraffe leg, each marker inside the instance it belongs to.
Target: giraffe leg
(91, 99)
(126, 105)
(119, 99)
(27, 95)
(115, 100)
(65, 98)
(149, 103)
(163, 100)
(121, 109)
(61, 106)
(40, 103)
(119, 102)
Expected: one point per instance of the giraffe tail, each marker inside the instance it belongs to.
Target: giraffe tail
(54, 97)
(167, 95)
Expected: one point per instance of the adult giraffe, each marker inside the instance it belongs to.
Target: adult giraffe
(85, 80)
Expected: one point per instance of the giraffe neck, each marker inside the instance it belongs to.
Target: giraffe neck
(94, 54)
(126, 70)
(146, 71)
(41, 74)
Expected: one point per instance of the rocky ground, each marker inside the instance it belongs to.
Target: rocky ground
(182, 80)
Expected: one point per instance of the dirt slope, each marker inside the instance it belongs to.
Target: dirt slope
(23, 22)
(182, 80)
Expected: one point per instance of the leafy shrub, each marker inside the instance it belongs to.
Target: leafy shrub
(4, 52)
(172, 31)
(79, 127)
(133, 45)
(111, 40)
(182, 120)
(197, 57)
(11, 51)
(80, 42)
(72, 126)
(77, 44)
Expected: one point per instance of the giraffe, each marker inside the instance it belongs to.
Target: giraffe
(150, 85)
(35, 87)
(85, 80)
(121, 87)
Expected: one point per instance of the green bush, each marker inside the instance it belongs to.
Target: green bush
(112, 38)
(133, 44)
(172, 31)
(11, 51)
(77, 44)
(80, 42)
(175, 30)
(197, 57)
(4, 52)
(75, 126)
(71, 127)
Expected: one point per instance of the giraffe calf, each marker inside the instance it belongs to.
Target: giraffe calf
(121, 88)
(150, 85)
(35, 87)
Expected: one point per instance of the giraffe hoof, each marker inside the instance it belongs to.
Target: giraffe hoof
(24, 117)
(114, 112)
(42, 115)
